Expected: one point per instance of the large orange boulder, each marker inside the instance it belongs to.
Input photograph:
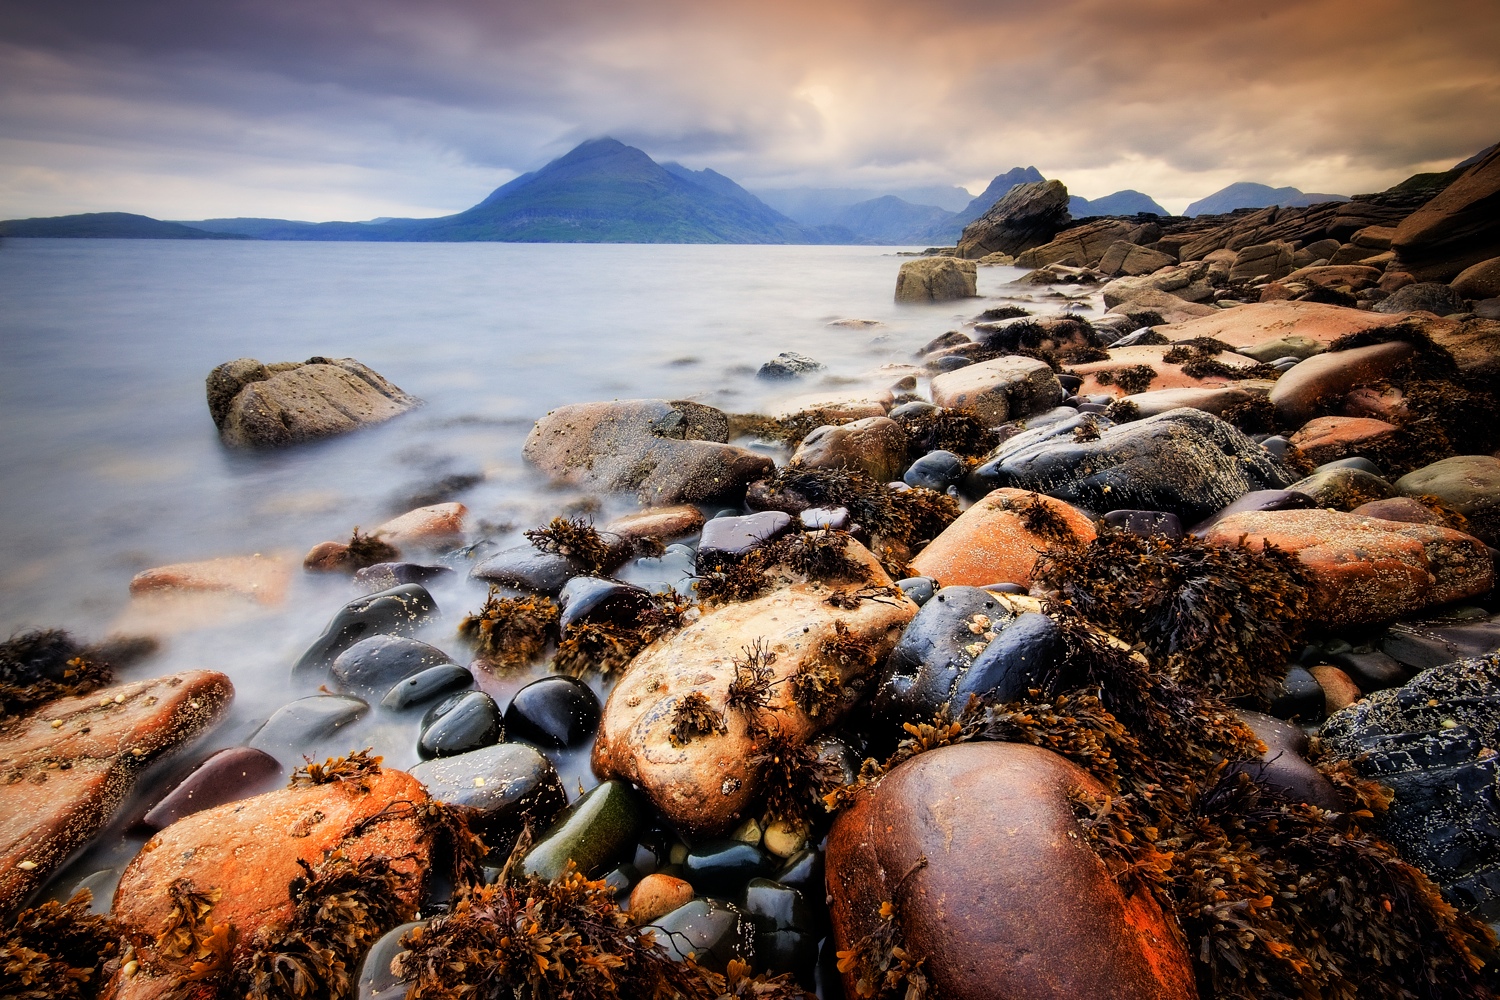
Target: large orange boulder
(992, 882)
(1000, 538)
(66, 768)
(1366, 569)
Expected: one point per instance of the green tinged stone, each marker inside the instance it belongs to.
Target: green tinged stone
(599, 829)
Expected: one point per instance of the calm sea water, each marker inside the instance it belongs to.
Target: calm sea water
(112, 464)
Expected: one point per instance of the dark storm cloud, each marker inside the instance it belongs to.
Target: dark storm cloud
(328, 108)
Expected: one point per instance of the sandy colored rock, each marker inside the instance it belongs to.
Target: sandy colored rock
(1470, 484)
(935, 279)
(875, 446)
(656, 895)
(665, 452)
(1008, 388)
(1168, 306)
(250, 849)
(426, 527)
(1339, 689)
(1350, 277)
(1479, 281)
(1167, 376)
(992, 881)
(1081, 246)
(1323, 380)
(1262, 262)
(705, 784)
(1364, 569)
(276, 405)
(1209, 399)
(1326, 439)
(1400, 509)
(1257, 323)
(62, 783)
(262, 578)
(1127, 258)
(657, 522)
(990, 542)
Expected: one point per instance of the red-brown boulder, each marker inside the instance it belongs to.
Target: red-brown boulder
(1000, 538)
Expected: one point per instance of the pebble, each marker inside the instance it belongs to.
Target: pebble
(500, 787)
(228, 775)
(936, 470)
(725, 539)
(296, 724)
(657, 895)
(593, 599)
(1339, 691)
(383, 576)
(458, 724)
(594, 833)
(376, 980)
(555, 711)
(716, 865)
(375, 664)
(398, 611)
(426, 685)
(714, 932)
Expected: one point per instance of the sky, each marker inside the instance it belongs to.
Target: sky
(354, 109)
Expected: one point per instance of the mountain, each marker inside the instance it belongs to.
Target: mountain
(948, 230)
(819, 206)
(109, 226)
(890, 220)
(1248, 195)
(1125, 202)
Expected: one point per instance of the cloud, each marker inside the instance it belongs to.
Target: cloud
(357, 108)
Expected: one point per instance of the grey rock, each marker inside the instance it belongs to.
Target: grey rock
(260, 406)
(789, 364)
(1027, 216)
(1427, 296)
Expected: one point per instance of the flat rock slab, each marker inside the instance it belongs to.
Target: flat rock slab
(263, 406)
(1365, 569)
(68, 766)
(1165, 375)
(1257, 323)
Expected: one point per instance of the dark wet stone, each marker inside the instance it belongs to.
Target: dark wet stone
(1258, 500)
(430, 683)
(672, 571)
(499, 787)
(1432, 641)
(591, 598)
(1070, 383)
(398, 611)
(712, 931)
(621, 879)
(1300, 697)
(716, 865)
(1373, 670)
(294, 725)
(1145, 523)
(803, 870)
(227, 776)
(951, 363)
(1093, 408)
(1362, 464)
(383, 576)
(789, 364)
(100, 886)
(943, 657)
(596, 832)
(555, 711)
(372, 665)
(919, 588)
(460, 723)
(819, 518)
(528, 568)
(728, 538)
(915, 408)
(1276, 444)
(936, 470)
(1283, 768)
(785, 928)
(376, 980)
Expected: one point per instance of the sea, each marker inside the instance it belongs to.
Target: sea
(112, 465)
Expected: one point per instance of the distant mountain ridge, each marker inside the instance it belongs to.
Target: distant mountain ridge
(1249, 195)
(110, 226)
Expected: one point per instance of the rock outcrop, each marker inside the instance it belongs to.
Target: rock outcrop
(936, 279)
(1455, 230)
(1028, 216)
(266, 406)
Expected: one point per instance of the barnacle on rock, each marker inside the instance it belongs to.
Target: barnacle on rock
(357, 767)
(576, 539)
(510, 632)
(693, 716)
(1130, 378)
(58, 951)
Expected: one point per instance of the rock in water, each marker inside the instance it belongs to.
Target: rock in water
(992, 882)
(68, 766)
(1365, 569)
(666, 452)
(702, 771)
(398, 611)
(936, 279)
(1028, 216)
(250, 851)
(1433, 743)
(267, 406)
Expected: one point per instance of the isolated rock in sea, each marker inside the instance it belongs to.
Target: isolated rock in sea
(1432, 743)
(1470, 484)
(398, 611)
(261, 406)
(1455, 230)
(71, 763)
(666, 452)
(1000, 538)
(1364, 569)
(1186, 462)
(977, 851)
(1028, 215)
(702, 768)
(260, 578)
(790, 364)
(246, 855)
(875, 446)
(1009, 388)
(935, 279)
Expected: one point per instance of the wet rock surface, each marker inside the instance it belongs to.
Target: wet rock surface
(1010, 388)
(307, 720)
(260, 406)
(875, 446)
(373, 666)
(1000, 538)
(553, 712)
(398, 611)
(229, 775)
(459, 724)
(500, 788)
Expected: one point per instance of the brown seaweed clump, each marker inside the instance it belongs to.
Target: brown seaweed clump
(882, 963)
(692, 717)
(357, 767)
(510, 632)
(789, 429)
(1130, 378)
(1043, 520)
(818, 555)
(795, 779)
(816, 688)
(578, 540)
(750, 691)
(58, 951)
(46, 664)
(531, 939)
(1213, 615)
(606, 647)
(367, 550)
(954, 429)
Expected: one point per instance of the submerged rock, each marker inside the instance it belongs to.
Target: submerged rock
(69, 765)
(398, 611)
(373, 666)
(260, 406)
(712, 931)
(990, 879)
(260, 578)
(1000, 538)
(307, 720)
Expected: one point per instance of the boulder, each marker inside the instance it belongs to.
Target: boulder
(977, 849)
(1129, 259)
(1350, 277)
(1470, 484)
(1364, 569)
(662, 523)
(1008, 388)
(1258, 323)
(1325, 439)
(1215, 399)
(260, 578)
(1105, 376)
(1186, 462)
(1422, 296)
(265, 406)
(790, 364)
(936, 279)
(1324, 379)
(70, 764)
(1343, 488)
(1027, 216)
(1000, 538)
(1400, 509)
(667, 453)
(1458, 228)
(1168, 306)
(704, 783)
(1474, 344)
(875, 446)
(1479, 281)
(1262, 262)
(1079, 246)
(426, 527)
(1190, 282)
(250, 853)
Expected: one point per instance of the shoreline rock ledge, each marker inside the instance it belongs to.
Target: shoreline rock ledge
(256, 405)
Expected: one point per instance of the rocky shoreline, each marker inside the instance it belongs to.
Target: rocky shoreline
(1147, 653)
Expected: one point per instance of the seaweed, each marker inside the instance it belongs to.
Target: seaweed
(816, 688)
(1083, 355)
(794, 778)
(189, 932)
(46, 664)
(789, 429)
(1206, 367)
(1148, 317)
(510, 632)
(954, 429)
(357, 767)
(1040, 518)
(693, 716)
(921, 515)
(608, 647)
(1253, 416)
(577, 539)
(367, 550)
(818, 555)
(995, 313)
(1130, 378)
(750, 691)
(883, 965)
(58, 951)
(1122, 411)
